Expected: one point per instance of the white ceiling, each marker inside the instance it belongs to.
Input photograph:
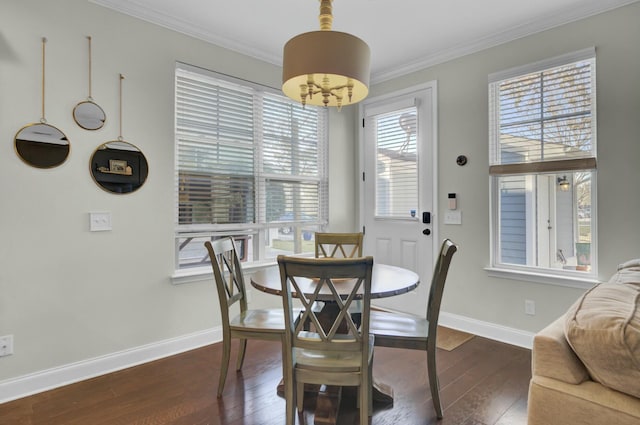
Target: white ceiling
(404, 35)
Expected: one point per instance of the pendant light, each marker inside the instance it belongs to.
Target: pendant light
(326, 68)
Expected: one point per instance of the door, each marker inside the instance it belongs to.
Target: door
(397, 202)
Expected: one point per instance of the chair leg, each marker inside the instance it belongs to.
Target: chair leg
(370, 387)
(307, 325)
(356, 315)
(224, 367)
(300, 396)
(433, 381)
(241, 351)
(289, 386)
(363, 401)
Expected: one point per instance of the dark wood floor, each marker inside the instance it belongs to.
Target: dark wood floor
(482, 382)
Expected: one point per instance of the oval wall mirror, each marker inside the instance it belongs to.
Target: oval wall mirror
(42, 145)
(119, 167)
(88, 114)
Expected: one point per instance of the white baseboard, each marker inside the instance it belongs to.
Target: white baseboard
(37, 382)
(45, 380)
(488, 330)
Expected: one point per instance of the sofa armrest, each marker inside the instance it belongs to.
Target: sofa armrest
(553, 357)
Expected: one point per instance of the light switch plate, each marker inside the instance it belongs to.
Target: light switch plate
(99, 221)
(453, 217)
(6, 345)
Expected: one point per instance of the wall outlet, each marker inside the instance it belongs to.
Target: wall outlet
(530, 307)
(6, 345)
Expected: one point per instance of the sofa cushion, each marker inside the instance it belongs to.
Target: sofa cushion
(628, 272)
(603, 328)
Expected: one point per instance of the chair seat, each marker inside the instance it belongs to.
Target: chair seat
(398, 325)
(264, 319)
(330, 361)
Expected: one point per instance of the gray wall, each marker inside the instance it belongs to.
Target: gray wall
(463, 129)
(68, 295)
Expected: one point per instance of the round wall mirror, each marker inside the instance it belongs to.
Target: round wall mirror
(119, 167)
(89, 115)
(42, 145)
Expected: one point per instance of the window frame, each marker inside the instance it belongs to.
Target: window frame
(547, 275)
(260, 224)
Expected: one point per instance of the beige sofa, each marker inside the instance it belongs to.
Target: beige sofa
(586, 364)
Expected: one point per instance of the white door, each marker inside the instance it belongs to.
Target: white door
(397, 202)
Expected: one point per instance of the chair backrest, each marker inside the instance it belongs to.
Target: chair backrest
(338, 245)
(338, 281)
(227, 273)
(437, 284)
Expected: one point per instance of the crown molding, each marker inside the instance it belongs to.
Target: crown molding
(514, 33)
(136, 10)
(590, 8)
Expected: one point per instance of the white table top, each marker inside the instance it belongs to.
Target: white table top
(386, 281)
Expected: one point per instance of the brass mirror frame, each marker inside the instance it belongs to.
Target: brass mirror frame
(39, 147)
(82, 118)
(36, 152)
(117, 171)
(125, 169)
(89, 116)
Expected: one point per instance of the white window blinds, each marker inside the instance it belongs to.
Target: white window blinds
(215, 152)
(294, 165)
(245, 155)
(544, 120)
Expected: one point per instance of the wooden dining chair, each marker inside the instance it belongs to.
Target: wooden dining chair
(266, 324)
(399, 330)
(337, 352)
(338, 245)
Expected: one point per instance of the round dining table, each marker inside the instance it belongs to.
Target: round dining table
(386, 281)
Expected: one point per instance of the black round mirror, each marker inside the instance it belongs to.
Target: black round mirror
(42, 145)
(89, 115)
(119, 167)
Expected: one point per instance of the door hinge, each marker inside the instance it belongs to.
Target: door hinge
(363, 230)
(363, 176)
(362, 122)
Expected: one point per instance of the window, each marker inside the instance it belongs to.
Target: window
(396, 163)
(542, 151)
(249, 163)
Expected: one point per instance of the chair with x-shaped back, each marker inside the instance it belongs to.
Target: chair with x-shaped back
(338, 245)
(338, 352)
(266, 324)
(399, 330)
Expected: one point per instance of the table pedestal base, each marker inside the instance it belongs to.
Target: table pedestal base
(328, 399)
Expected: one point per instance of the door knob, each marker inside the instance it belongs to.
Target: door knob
(426, 232)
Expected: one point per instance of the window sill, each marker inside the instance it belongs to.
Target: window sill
(200, 274)
(579, 282)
